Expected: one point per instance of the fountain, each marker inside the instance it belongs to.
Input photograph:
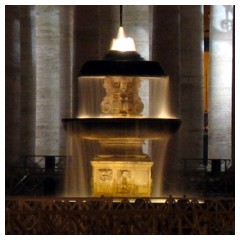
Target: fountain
(120, 168)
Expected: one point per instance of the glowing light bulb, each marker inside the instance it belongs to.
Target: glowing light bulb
(122, 43)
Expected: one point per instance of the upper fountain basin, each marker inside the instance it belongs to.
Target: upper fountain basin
(122, 128)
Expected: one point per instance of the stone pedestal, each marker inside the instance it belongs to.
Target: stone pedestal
(121, 178)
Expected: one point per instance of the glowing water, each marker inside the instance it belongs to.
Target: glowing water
(90, 95)
(159, 107)
(158, 157)
(78, 168)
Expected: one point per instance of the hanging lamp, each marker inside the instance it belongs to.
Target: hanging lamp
(122, 60)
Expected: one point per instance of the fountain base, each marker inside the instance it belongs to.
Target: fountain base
(121, 178)
(120, 168)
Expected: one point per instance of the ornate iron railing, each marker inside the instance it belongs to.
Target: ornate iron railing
(216, 178)
(119, 216)
(208, 165)
(40, 175)
(36, 175)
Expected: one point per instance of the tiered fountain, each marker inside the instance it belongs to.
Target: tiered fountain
(120, 168)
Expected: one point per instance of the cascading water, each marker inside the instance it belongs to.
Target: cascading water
(105, 140)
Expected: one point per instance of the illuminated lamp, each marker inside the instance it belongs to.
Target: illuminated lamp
(122, 60)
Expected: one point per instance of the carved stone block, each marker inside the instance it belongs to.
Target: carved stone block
(121, 178)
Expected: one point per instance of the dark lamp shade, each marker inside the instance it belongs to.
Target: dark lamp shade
(117, 63)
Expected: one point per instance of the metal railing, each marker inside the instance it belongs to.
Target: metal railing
(208, 165)
(36, 175)
(44, 175)
(195, 177)
(42, 163)
(120, 216)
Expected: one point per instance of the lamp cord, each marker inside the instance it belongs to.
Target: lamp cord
(121, 9)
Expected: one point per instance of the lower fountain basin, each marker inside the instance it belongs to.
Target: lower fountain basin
(122, 128)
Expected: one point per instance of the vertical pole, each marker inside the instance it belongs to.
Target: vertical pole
(233, 92)
(121, 10)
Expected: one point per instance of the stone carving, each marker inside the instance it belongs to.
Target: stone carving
(104, 175)
(121, 178)
(124, 180)
(122, 96)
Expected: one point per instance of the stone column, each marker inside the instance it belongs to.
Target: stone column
(47, 80)
(28, 80)
(107, 27)
(13, 85)
(220, 86)
(94, 28)
(191, 81)
(86, 40)
(136, 22)
(177, 45)
(166, 50)
(66, 53)
(53, 76)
